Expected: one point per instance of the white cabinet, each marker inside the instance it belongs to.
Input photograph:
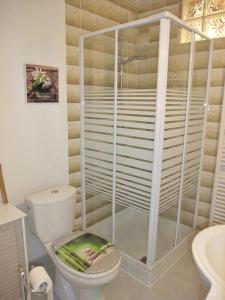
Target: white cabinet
(13, 256)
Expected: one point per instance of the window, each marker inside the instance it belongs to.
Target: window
(207, 16)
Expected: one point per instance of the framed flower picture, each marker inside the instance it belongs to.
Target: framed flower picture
(41, 84)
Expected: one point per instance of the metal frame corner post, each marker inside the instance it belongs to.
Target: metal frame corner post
(114, 133)
(162, 75)
(83, 196)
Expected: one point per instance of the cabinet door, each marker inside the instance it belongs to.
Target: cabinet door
(11, 259)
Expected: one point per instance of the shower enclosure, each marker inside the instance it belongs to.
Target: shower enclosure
(144, 90)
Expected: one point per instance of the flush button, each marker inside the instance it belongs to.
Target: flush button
(54, 191)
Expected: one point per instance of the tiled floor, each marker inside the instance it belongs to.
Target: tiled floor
(181, 282)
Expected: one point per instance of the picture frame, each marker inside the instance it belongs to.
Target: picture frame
(41, 83)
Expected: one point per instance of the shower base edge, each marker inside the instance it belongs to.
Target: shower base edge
(149, 275)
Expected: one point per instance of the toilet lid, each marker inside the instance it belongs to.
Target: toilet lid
(88, 253)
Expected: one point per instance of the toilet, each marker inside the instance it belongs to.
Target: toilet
(83, 262)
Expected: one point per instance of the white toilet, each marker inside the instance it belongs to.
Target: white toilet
(84, 263)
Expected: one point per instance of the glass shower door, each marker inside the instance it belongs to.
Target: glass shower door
(179, 71)
(137, 79)
(190, 192)
(98, 138)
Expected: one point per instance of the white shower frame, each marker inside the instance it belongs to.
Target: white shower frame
(165, 19)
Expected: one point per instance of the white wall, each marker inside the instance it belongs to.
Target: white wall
(33, 137)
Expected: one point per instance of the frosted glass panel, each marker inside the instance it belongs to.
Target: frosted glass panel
(98, 132)
(174, 139)
(194, 136)
(137, 66)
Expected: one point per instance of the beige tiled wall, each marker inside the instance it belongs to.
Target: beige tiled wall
(88, 15)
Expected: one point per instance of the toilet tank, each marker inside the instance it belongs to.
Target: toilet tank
(51, 212)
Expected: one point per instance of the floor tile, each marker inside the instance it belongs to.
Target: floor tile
(181, 282)
(126, 287)
(183, 278)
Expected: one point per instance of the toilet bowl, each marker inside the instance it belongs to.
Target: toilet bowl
(83, 262)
